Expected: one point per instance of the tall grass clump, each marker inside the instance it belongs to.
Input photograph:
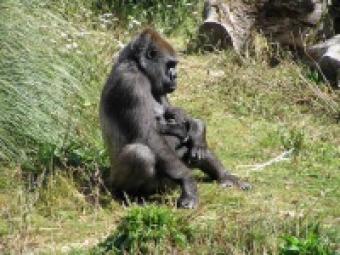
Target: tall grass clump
(49, 75)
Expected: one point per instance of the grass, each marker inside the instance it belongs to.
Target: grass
(147, 229)
(51, 196)
(312, 244)
(46, 72)
(167, 16)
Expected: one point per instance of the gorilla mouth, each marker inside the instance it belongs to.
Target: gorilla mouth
(171, 87)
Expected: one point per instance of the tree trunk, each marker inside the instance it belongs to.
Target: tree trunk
(229, 23)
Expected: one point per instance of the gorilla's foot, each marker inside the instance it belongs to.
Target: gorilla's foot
(229, 181)
(226, 184)
(244, 185)
(188, 202)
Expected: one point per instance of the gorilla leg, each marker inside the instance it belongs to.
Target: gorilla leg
(136, 164)
(137, 176)
(216, 171)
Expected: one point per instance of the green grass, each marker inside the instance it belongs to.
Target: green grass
(146, 230)
(48, 83)
(54, 59)
(168, 16)
(313, 243)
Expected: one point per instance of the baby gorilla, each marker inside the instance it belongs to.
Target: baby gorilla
(172, 122)
(185, 135)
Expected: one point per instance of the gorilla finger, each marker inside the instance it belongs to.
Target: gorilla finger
(198, 154)
(245, 186)
(202, 153)
(194, 153)
(227, 184)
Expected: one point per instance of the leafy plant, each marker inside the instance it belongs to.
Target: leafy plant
(314, 76)
(313, 244)
(145, 228)
(293, 139)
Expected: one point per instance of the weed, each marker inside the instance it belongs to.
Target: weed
(293, 139)
(314, 76)
(146, 228)
(312, 244)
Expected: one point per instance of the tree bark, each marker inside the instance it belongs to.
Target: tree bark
(230, 23)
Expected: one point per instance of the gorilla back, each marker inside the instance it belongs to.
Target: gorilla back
(140, 156)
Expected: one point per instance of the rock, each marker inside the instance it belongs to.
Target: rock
(326, 55)
(290, 22)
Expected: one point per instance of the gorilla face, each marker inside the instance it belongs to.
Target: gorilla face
(162, 71)
(160, 66)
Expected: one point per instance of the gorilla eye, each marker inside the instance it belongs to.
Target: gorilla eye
(151, 54)
(171, 64)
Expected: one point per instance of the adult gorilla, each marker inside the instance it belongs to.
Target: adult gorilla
(143, 159)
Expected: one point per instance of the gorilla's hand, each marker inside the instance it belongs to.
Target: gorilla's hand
(197, 140)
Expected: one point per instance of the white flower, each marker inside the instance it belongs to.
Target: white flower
(107, 15)
(71, 46)
(83, 33)
(63, 35)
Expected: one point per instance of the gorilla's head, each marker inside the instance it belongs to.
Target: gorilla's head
(157, 60)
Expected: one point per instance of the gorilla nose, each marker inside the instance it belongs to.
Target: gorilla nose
(172, 74)
(173, 77)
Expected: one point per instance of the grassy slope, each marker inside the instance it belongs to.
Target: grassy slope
(305, 187)
(252, 116)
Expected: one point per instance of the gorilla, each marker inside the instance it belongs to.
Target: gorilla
(153, 145)
(171, 122)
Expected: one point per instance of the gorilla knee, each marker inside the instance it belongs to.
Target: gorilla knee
(139, 157)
